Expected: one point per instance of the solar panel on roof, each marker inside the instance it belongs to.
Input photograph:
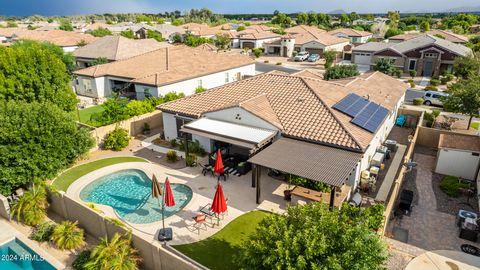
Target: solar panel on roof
(371, 117)
(351, 105)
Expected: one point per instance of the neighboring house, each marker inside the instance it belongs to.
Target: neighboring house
(355, 36)
(305, 38)
(253, 38)
(362, 22)
(68, 41)
(291, 123)
(139, 30)
(202, 30)
(447, 35)
(115, 48)
(428, 55)
(177, 68)
(88, 28)
(169, 31)
(459, 155)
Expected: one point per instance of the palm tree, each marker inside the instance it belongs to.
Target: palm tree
(68, 236)
(117, 253)
(31, 208)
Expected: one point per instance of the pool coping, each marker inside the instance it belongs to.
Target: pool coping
(148, 168)
(12, 233)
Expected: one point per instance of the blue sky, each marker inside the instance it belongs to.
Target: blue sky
(72, 7)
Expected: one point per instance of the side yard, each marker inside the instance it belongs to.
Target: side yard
(85, 114)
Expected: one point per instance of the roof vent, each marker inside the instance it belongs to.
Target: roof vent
(300, 100)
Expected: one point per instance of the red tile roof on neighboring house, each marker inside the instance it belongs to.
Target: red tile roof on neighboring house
(350, 32)
(300, 106)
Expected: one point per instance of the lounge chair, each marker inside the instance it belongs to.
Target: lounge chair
(401, 119)
(200, 220)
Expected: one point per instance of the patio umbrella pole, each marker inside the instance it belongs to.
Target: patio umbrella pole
(163, 214)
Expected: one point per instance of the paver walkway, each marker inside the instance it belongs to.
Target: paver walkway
(382, 194)
(428, 228)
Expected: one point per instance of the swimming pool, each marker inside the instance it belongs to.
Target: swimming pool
(15, 255)
(128, 192)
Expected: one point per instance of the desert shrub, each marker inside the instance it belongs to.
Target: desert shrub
(172, 156)
(434, 82)
(413, 73)
(340, 72)
(173, 143)
(199, 90)
(257, 52)
(412, 84)
(418, 101)
(81, 260)
(443, 80)
(191, 160)
(43, 232)
(398, 73)
(266, 61)
(431, 88)
(451, 186)
(117, 139)
(450, 77)
(278, 63)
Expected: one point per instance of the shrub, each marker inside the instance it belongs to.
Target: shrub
(451, 186)
(374, 216)
(31, 208)
(418, 101)
(81, 260)
(172, 156)
(191, 160)
(311, 184)
(115, 221)
(257, 52)
(413, 73)
(278, 63)
(199, 90)
(68, 236)
(173, 143)
(431, 88)
(266, 61)
(43, 232)
(443, 80)
(450, 77)
(412, 85)
(117, 139)
(340, 72)
(398, 73)
(434, 82)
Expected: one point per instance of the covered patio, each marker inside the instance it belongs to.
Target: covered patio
(333, 166)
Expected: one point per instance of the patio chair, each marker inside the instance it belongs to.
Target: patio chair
(200, 220)
(206, 169)
(401, 119)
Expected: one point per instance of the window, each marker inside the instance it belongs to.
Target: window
(180, 122)
(430, 55)
(227, 79)
(428, 95)
(87, 85)
(199, 83)
(412, 64)
(436, 96)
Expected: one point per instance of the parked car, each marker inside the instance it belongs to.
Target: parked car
(301, 56)
(313, 57)
(434, 98)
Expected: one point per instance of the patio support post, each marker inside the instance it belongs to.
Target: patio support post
(186, 146)
(254, 175)
(258, 172)
(332, 198)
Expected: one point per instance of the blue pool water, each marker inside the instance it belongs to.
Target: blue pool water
(15, 255)
(128, 192)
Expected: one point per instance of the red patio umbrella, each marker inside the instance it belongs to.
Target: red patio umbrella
(219, 163)
(219, 205)
(168, 200)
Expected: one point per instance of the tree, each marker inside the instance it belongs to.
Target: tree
(101, 32)
(37, 140)
(474, 43)
(312, 237)
(424, 26)
(195, 41)
(393, 17)
(393, 32)
(241, 28)
(143, 18)
(11, 24)
(31, 208)
(385, 65)
(464, 97)
(117, 139)
(98, 61)
(466, 66)
(344, 19)
(353, 16)
(65, 25)
(340, 72)
(282, 20)
(128, 34)
(33, 72)
(155, 35)
(68, 236)
(302, 18)
(330, 57)
(222, 40)
(116, 253)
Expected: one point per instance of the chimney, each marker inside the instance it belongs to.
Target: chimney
(166, 57)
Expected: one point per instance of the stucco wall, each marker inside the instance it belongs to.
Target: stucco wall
(4, 207)
(169, 126)
(399, 61)
(240, 116)
(457, 163)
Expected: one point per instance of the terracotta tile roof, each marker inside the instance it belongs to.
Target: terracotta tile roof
(303, 34)
(450, 36)
(299, 29)
(301, 105)
(350, 32)
(308, 73)
(254, 34)
(57, 37)
(168, 65)
(117, 47)
(459, 141)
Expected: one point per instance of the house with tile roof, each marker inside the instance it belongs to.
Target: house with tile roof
(444, 34)
(115, 48)
(290, 123)
(168, 69)
(355, 36)
(305, 38)
(428, 55)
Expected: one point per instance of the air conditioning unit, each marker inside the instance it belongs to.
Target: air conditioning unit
(365, 174)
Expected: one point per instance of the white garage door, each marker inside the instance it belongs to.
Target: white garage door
(363, 58)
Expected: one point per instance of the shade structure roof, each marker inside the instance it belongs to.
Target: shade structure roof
(317, 162)
(237, 134)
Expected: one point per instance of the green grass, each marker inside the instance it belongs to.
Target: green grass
(68, 177)
(217, 251)
(475, 125)
(86, 113)
(451, 186)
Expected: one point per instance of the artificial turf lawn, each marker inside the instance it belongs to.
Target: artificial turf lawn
(86, 113)
(68, 177)
(217, 251)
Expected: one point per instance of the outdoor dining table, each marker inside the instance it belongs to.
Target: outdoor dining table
(207, 210)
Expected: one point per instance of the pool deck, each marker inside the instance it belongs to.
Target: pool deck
(238, 190)
(8, 233)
